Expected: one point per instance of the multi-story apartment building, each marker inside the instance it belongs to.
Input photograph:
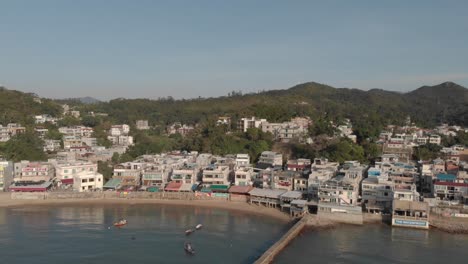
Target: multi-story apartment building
(70, 141)
(298, 165)
(270, 159)
(242, 160)
(216, 175)
(119, 130)
(245, 123)
(6, 174)
(187, 174)
(243, 176)
(129, 173)
(86, 181)
(52, 145)
(66, 172)
(77, 131)
(26, 171)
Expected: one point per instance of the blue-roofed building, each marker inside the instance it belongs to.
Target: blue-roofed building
(446, 177)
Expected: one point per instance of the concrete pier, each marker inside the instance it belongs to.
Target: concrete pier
(274, 250)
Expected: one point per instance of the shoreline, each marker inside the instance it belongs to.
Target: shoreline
(7, 202)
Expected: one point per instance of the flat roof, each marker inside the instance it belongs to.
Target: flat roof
(240, 189)
(292, 195)
(268, 193)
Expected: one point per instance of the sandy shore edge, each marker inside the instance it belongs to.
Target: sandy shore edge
(6, 201)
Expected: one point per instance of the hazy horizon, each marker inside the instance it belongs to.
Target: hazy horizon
(184, 49)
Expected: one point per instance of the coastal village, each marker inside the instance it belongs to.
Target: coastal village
(406, 192)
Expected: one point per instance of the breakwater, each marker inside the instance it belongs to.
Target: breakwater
(274, 250)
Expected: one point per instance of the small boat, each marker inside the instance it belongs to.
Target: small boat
(189, 231)
(188, 248)
(120, 223)
(199, 226)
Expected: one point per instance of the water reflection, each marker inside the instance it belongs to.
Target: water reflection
(155, 233)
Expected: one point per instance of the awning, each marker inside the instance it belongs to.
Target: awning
(67, 181)
(112, 183)
(31, 187)
(173, 186)
(153, 189)
(219, 188)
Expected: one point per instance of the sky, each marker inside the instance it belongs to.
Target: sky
(186, 49)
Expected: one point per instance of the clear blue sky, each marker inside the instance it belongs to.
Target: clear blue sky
(185, 49)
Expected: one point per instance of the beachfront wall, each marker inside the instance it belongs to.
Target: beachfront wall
(341, 214)
(118, 195)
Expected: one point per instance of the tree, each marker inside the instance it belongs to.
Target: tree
(322, 127)
(26, 146)
(90, 121)
(53, 133)
(105, 168)
(427, 152)
(344, 150)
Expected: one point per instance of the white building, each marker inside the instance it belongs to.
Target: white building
(65, 172)
(242, 160)
(6, 174)
(271, 158)
(52, 145)
(435, 139)
(26, 171)
(4, 134)
(86, 181)
(142, 125)
(186, 174)
(245, 123)
(216, 175)
(119, 130)
(243, 176)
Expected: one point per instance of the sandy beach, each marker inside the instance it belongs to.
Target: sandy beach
(6, 201)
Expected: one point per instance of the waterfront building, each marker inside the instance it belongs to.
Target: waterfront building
(243, 176)
(6, 174)
(413, 214)
(267, 197)
(155, 175)
(66, 172)
(86, 181)
(188, 173)
(33, 172)
(129, 173)
(216, 175)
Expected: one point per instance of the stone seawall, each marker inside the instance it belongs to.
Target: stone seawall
(274, 250)
(112, 195)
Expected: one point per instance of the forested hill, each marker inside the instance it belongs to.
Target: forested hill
(19, 107)
(427, 106)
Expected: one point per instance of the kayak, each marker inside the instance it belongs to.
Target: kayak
(120, 223)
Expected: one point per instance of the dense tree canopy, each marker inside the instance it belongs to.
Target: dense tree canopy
(25, 146)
